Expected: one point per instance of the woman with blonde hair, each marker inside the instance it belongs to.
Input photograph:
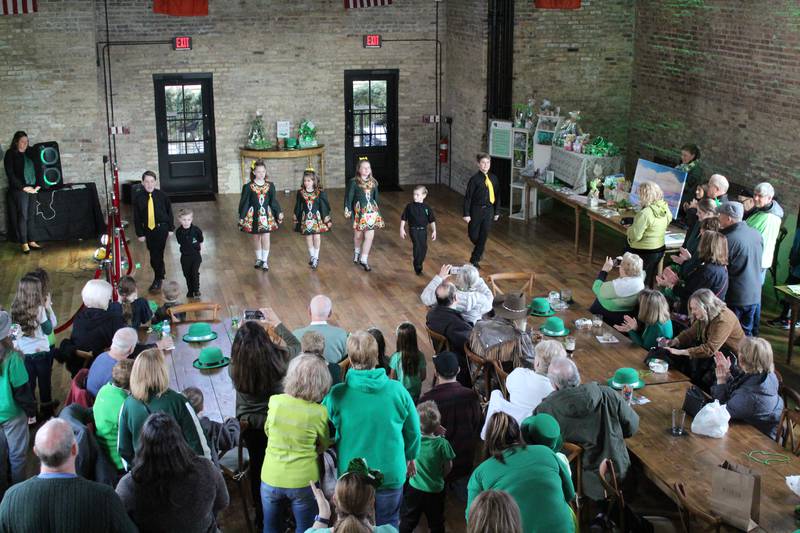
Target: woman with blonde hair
(750, 392)
(297, 431)
(473, 297)
(150, 393)
(653, 316)
(646, 234)
(617, 297)
(494, 511)
(375, 418)
(354, 498)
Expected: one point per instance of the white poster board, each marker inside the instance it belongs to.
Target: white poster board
(284, 129)
(500, 139)
(671, 180)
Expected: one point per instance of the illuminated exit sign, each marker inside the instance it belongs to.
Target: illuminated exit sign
(373, 40)
(182, 42)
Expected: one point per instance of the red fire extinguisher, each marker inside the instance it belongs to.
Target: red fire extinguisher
(443, 148)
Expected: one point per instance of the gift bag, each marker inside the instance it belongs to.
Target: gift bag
(694, 401)
(711, 421)
(736, 495)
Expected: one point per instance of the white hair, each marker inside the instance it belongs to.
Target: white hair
(631, 265)
(124, 339)
(548, 351)
(96, 294)
(467, 277)
(765, 189)
(563, 373)
(720, 182)
(320, 306)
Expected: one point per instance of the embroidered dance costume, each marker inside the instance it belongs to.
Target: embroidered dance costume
(258, 208)
(361, 198)
(312, 212)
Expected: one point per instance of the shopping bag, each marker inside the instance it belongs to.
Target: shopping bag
(711, 421)
(736, 495)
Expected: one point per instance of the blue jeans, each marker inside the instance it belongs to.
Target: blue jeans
(302, 501)
(748, 316)
(16, 431)
(387, 507)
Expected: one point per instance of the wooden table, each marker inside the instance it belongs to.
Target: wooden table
(794, 301)
(691, 459)
(308, 153)
(535, 186)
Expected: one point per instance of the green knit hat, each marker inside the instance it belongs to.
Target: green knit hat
(542, 429)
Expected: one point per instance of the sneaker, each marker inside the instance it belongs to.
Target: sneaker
(314, 263)
(780, 323)
(259, 264)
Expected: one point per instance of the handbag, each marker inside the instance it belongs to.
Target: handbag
(694, 401)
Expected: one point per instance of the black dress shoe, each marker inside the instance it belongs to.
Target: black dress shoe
(258, 264)
(155, 286)
(365, 266)
(476, 264)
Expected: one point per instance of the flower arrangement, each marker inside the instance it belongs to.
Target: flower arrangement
(307, 134)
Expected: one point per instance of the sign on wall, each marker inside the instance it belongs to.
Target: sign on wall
(500, 141)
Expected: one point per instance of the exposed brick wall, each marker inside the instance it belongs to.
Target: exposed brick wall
(579, 59)
(725, 75)
(465, 44)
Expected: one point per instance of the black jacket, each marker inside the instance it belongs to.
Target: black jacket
(706, 276)
(449, 322)
(14, 163)
(93, 329)
(745, 248)
(161, 206)
(477, 193)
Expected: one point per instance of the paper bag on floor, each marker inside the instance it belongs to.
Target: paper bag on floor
(736, 495)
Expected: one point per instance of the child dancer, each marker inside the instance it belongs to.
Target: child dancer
(312, 214)
(35, 316)
(258, 209)
(190, 237)
(408, 363)
(361, 200)
(135, 310)
(418, 214)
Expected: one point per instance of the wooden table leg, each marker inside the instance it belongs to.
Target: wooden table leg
(577, 229)
(591, 239)
(241, 158)
(792, 318)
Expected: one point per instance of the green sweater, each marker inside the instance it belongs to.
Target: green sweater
(538, 481)
(375, 418)
(63, 505)
(106, 409)
(649, 226)
(620, 294)
(767, 221)
(649, 337)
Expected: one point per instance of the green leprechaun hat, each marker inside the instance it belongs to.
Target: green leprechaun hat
(200, 332)
(211, 357)
(541, 307)
(626, 376)
(554, 327)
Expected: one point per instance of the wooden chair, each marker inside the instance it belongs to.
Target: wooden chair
(344, 366)
(438, 341)
(787, 427)
(86, 356)
(527, 278)
(481, 366)
(574, 453)
(616, 502)
(194, 308)
(501, 374)
(691, 513)
(240, 474)
(789, 394)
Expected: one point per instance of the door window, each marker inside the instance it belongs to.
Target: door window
(369, 113)
(184, 106)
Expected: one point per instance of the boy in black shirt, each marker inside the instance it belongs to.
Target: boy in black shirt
(152, 220)
(418, 215)
(190, 238)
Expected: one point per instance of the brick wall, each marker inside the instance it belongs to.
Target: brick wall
(725, 75)
(578, 59)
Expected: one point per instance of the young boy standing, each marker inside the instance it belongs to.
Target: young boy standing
(190, 237)
(152, 220)
(418, 214)
(424, 491)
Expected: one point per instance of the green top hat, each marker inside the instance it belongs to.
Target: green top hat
(626, 376)
(211, 357)
(200, 332)
(541, 307)
(554, 327)
(542, 429)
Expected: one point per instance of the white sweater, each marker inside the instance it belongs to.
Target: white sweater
(472, 304)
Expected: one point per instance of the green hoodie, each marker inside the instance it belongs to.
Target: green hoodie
(375, 418)
(650, 226)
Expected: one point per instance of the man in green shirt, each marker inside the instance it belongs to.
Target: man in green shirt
(106, 410)
(319, 311)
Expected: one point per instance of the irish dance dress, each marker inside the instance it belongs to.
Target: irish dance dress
(312, 212)
(361, 198)
(258, 208)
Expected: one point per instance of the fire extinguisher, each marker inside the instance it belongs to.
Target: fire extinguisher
(443, 148)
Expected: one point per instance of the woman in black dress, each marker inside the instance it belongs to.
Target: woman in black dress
(18, 162)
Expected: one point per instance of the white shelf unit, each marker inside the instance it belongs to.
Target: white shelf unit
(520, 138)
(547, 124)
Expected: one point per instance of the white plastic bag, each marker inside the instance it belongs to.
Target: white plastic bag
(712, 420)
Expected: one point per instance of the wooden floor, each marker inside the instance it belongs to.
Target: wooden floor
(384, 297)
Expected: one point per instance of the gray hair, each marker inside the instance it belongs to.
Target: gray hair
(764, 189)
(53, 442)
(307, 378)
(548, 351)
(467, 277)
(708, 302)
(720, 182)
(125, 339)
(631, 265)
(96, 294)
(320, 305)
(563, 373)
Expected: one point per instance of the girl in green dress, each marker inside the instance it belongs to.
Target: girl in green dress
(312, 214)
(259, 212)
(361, 201)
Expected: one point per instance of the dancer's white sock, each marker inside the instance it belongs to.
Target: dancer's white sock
(258, 255)
(364, 258)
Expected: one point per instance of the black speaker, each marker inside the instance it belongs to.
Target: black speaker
(47, 160)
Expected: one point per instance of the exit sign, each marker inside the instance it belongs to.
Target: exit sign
(182, 42)
(372, 40)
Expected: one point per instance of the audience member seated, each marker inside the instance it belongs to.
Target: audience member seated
(461, 415)
(172, 293)
(408, 362)
(504, 337)
(92, 462)
(58, 499)
(314, 343)
(766, 217)
(745, 249)
(220, 436)
(473, 296)
(150, 393)
(592, 416)
(354, 498)
(646, 234)
(444, 319)
(527, 385)
(297, 431)
(106, 409)
(319, 311)
(750, 392)
(706, 209)
(710, 272)
(494, 511)
(374, 418)
(94, 326)
(383, 360)
(616, 298)
(538, 481)
(122, 345)
(170, 488)
(714, 327)
(16, 401)
(543, 430)
(653, 320)
(136, 311)
(257, 368)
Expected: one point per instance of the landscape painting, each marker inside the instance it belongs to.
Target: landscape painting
(671, 180)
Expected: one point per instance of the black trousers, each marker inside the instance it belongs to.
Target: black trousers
(255, 440)
(481, 218)
(190, 263)
(419, 242)
(20, 204)
(650, 261)
(415, 504)
(156, 242)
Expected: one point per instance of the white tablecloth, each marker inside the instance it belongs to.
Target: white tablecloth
(576, 169)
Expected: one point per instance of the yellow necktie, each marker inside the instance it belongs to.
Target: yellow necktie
(151, 212)
(491, 189)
